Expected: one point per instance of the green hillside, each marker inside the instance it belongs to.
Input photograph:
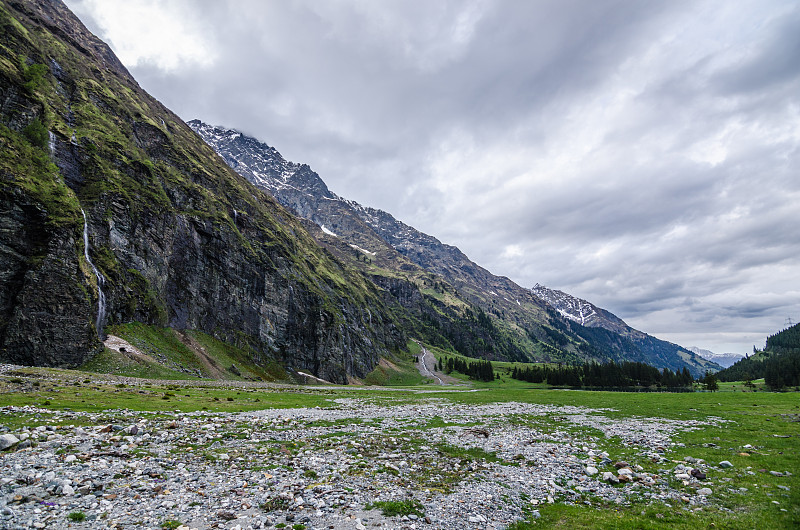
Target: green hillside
(778, 363)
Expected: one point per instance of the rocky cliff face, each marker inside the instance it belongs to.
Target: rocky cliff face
(45, 309)
(179, 239)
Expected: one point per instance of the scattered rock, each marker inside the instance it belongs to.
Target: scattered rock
(699, 475)
(322, 464)
(725, 464)
(704, 491)
(7, 440)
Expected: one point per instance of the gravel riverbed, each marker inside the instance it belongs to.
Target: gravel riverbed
(451, 466)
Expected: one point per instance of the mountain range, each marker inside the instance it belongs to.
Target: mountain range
(113, 210)
(538, 324)
(723, 359)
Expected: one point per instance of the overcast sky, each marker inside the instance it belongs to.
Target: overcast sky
(642, 155)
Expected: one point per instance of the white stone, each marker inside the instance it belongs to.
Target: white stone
(7, 440)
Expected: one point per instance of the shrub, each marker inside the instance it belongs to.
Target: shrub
(275, 504)
(36, 133)
(77, 517)
(33, 75)
(392, 508)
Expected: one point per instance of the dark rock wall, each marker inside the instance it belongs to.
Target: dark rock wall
(46, 308)
(200, 276)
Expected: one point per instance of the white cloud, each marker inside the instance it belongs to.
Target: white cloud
(164, 34)
(512, 251)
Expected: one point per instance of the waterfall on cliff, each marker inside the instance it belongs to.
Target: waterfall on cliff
(101, 297)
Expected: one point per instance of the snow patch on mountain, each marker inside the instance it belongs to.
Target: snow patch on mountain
(261, 164)
(567, 305)
(328, 231)
(579, 310)
(363, 250)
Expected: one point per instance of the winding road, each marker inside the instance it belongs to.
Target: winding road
(427, 363)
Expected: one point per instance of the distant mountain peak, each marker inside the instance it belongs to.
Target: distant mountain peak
(722, 359)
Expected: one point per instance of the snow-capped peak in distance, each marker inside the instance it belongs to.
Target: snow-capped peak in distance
(722, 359)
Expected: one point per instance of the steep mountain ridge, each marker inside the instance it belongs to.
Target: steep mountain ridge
(177, 237)
(542, 324)
(435, 310)
(580, 311)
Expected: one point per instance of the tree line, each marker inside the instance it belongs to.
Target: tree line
(476, 370)
(778, 363)
(607, 375)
